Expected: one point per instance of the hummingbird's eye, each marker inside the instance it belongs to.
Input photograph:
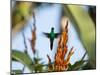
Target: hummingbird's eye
(52, 28)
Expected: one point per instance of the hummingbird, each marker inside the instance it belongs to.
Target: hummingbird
(52, 35)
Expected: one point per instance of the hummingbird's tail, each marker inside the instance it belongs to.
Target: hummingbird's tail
(51, 45)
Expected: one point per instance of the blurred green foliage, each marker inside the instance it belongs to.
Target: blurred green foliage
(85, 28)
(84, 25)
(20, 12)
(33, 65)
(16, 72)
(23, 58)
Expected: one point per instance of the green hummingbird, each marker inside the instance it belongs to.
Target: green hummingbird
(52, 35)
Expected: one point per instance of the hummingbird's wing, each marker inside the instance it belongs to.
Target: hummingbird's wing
(46, 34)
(57, 34)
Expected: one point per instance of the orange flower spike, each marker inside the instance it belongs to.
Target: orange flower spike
(33, 31)
(59, 52)
(66, 27)
(69, 55)
(65, 39)
(60, 64)
(58, 56)
(60, 43)
(65, 35)
(71, 52)
(65, 50)
(33, 40)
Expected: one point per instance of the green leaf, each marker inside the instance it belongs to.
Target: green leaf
(23, 58)
(38, 67)
(76, 66)
(87, 66)
(14, 59)
(36, 60)
(16, 72)
(85, 28)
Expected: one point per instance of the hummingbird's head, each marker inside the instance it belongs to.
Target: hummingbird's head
(52, 28)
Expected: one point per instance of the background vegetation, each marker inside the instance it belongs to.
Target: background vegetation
(84, 23)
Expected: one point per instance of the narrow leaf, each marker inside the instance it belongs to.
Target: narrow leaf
(23, 58)
(85, 28)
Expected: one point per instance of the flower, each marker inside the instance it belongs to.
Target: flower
(60, 63)
(32, 41)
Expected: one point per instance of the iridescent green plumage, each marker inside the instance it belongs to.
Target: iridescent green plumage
(52, 35)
